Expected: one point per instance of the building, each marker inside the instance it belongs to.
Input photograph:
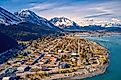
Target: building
(6, 78)
(11, 78)
(23, 68)
(64, 65)
(74, 55)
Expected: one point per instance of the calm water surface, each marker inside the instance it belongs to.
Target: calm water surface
(113, 44)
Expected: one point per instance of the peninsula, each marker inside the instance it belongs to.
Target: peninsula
(56, 57)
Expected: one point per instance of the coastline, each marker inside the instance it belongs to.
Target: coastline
(80, 75)
(81, 72)
(92, 74)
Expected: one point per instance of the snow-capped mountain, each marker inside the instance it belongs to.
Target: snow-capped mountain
(26, 16)
(114, 23)
(8, 18)
(64, 23)
(103, 23)
(30, 16)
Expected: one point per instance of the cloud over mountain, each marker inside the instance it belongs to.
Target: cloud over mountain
(78, 8)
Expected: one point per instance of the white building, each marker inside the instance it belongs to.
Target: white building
(6, 78)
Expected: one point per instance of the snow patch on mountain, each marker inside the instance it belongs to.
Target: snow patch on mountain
(64, 23)
(30, 16)
(114, 22)
(8, 18)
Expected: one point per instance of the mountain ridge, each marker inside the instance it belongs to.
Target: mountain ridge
(7, 17)
(27, 19)
(65, 23)
(28, 29)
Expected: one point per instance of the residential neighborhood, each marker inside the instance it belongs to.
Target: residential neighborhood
(45, 58)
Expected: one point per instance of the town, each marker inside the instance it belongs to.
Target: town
(55, 57)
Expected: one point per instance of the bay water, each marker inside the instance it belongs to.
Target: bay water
(113, 44)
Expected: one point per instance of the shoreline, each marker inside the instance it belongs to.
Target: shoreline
(80, 75)
(80, 72)
(93, 74)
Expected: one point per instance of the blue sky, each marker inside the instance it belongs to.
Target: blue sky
(73, 9)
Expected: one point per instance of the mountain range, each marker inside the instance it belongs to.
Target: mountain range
(113, 22)
(7, 17)
(65, 23)
(26, 25)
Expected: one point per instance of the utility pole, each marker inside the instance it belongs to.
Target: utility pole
(78, 47)
(79, 52)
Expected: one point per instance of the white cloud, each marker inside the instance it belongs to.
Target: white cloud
(106, 9)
